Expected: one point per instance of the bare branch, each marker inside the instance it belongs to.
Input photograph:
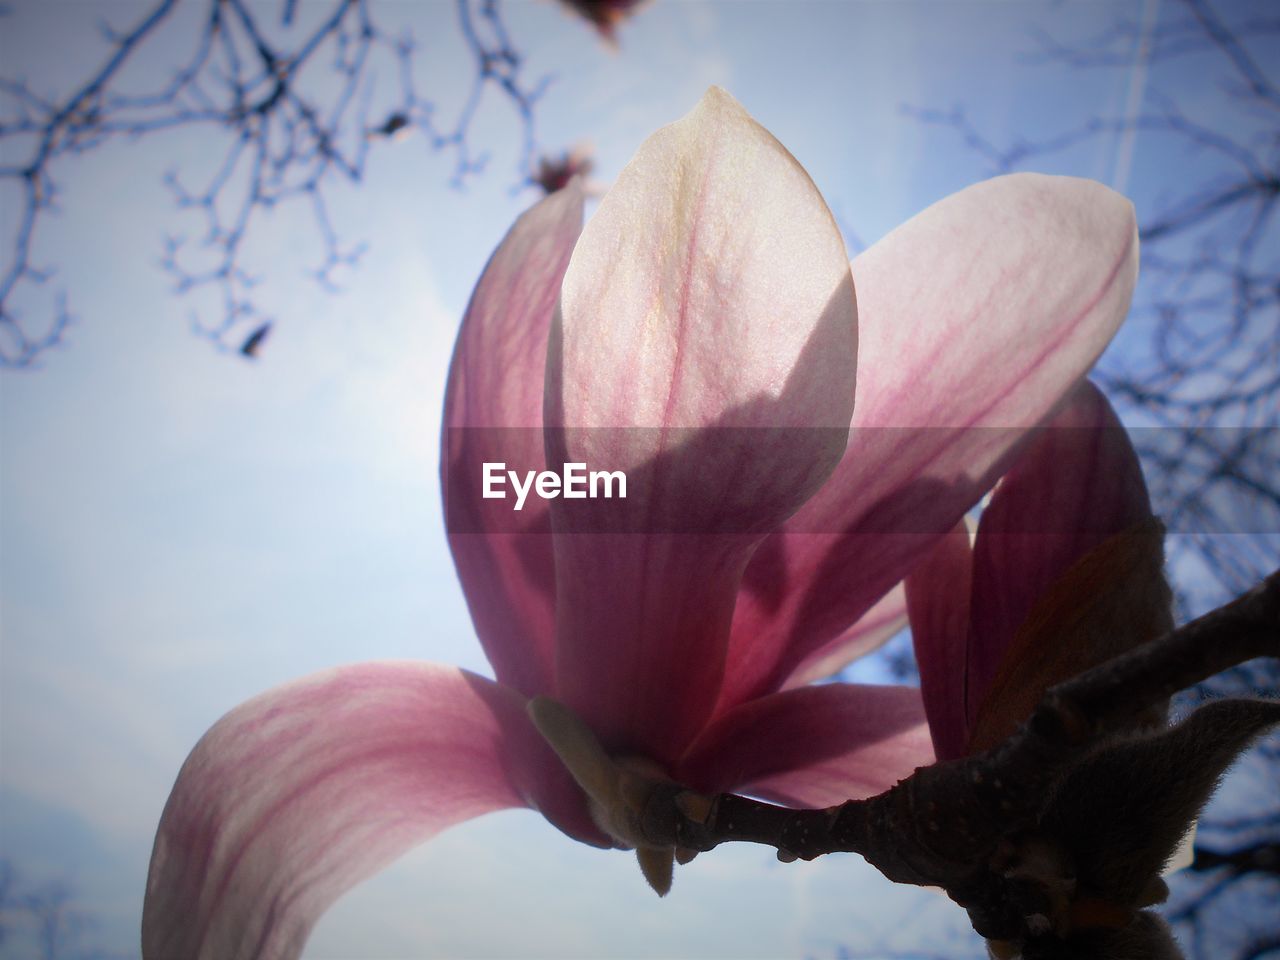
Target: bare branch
(1208, 377)
(290, 106)
(963, 825)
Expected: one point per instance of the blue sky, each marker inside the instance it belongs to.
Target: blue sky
(182, 530)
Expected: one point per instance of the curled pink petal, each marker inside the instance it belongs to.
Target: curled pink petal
(1077, 485)
(975, 319)
(297, 795)
(493, 413)
(938, 592)
(813, 746)
(706, 346)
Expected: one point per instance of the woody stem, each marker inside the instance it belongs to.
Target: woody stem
(940, 826)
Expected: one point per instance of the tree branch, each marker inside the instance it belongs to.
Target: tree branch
(955, 825)
(292, 111)
(1209, 289)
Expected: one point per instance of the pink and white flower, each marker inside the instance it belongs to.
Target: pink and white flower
(703, 332)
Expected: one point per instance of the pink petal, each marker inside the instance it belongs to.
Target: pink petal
(297, 795)
(706, 346)
(493, 413)
(1077, 485)
(814, 746)
(938, 592)
(975, 318)
(876, 627)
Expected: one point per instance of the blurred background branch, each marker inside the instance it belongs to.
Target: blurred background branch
(43, 921)
(288, 88)
(1196, 372)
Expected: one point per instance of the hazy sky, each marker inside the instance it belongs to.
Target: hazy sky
(183, 529)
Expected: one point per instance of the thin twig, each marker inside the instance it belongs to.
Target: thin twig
(290, 111)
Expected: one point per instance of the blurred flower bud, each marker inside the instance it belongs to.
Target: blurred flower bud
(396, 123)
(605, 15)
(253, 343)
(555, 172)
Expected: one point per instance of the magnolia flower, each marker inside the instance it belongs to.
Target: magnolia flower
(702, 334)
(1066, 572)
